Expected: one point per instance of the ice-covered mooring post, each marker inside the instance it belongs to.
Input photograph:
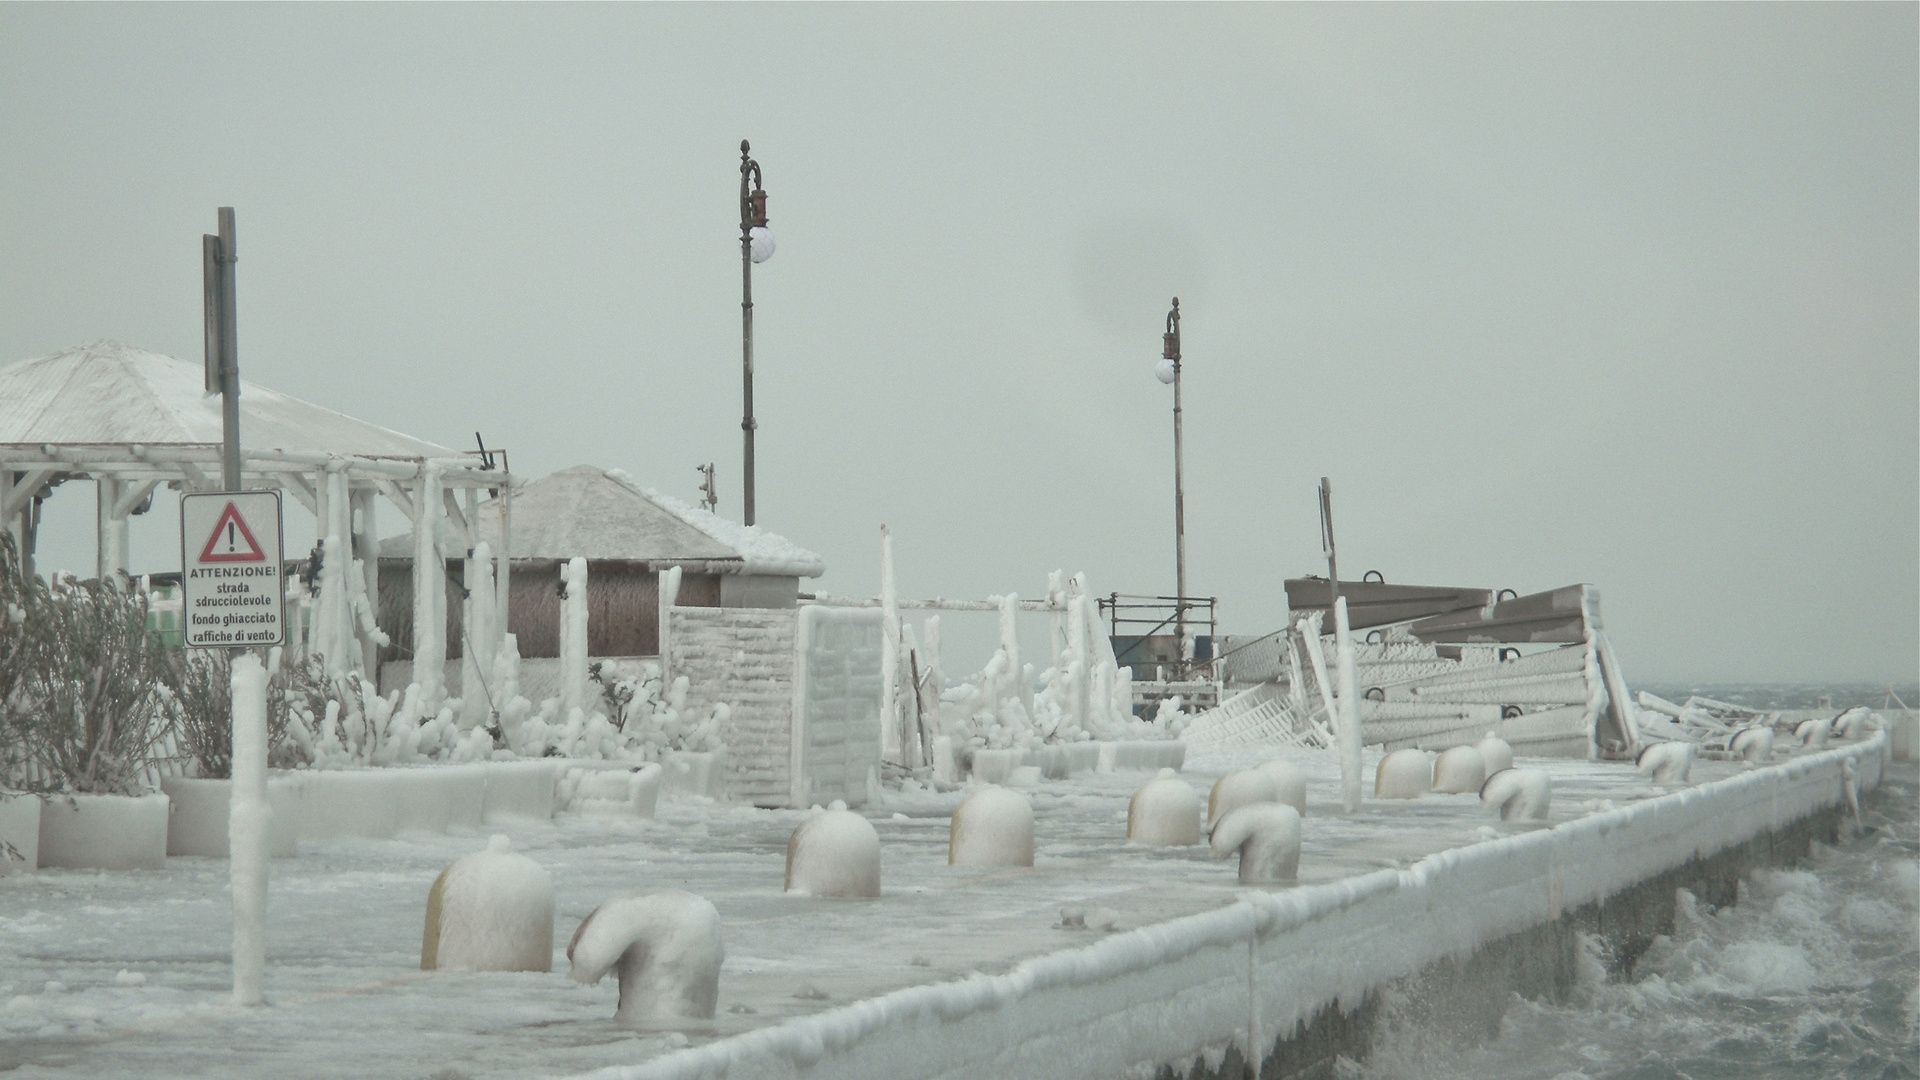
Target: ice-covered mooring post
(248, 818)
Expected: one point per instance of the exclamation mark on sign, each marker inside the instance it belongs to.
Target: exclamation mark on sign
(231, 546)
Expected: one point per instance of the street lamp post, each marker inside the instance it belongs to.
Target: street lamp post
(756, 246)
(1168, 371)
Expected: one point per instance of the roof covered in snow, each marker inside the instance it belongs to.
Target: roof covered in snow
(594, 513)
(104, 392)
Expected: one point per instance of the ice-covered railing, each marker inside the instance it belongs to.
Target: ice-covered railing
(1248, 973)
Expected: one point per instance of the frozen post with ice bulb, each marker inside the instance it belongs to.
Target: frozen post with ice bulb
(756, 246)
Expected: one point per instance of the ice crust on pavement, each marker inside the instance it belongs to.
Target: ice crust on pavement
(346, 996)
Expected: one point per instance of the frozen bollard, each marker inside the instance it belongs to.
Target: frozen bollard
(1518, 794)
(1853, 722)
(1459, 770)
(1242, 787)
(1403, 774)
(490, 911)
(1753, 745)
(834, 853)
(1288, 781)
(993, 827)
(1267, 836)
(1495, 753)
(666, 947)
(1165, 812)
(1813, 733)
(1667, 763)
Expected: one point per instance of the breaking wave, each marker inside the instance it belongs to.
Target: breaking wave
(1812, 974)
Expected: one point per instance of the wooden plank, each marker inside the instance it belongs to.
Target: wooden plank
(1558, 615)
(1376, 603)
(23, 491)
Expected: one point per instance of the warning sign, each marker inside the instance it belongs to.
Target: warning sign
(233, 592)
(231, 540)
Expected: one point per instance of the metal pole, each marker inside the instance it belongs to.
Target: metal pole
(747, 424)
(1179, 490)
(1326, 541)
(229, 358)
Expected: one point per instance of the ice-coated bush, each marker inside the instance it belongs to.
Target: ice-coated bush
(90, 699)
(16, 593)
(344, 722)
(203, 691)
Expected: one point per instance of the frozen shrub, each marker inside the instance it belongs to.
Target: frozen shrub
(204, 695)
(93, 699)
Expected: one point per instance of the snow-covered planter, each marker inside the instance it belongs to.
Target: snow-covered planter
(694, 774)
(520, 790)
(995, 766)
(1150, 755)
(598, 789)
(19, 834)
(104, 832)
(377, 804)
(199, 823)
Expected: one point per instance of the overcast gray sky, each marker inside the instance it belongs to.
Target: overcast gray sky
(1623, 294)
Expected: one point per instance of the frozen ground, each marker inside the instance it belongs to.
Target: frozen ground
(120, 974)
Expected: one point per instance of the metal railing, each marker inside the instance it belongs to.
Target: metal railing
(1146, 617)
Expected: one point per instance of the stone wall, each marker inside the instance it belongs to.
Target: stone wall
(745, 658)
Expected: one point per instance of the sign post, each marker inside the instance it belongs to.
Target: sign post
(234, 598)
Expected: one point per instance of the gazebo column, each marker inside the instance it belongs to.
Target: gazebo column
(476, 659)
(366, 548)
(429, 589)
(110, 551)
(321, 637)
(333, 630)
(15, 524)
(503, 572)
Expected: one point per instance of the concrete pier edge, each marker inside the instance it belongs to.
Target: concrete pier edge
(1469, 997)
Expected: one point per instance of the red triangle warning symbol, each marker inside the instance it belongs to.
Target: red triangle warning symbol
(231, 540)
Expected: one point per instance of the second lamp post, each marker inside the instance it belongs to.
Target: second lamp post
(756, 246)
(1168, 371)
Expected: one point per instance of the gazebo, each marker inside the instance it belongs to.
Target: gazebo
(132, 420)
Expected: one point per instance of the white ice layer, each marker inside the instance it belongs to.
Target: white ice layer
(1174, 990)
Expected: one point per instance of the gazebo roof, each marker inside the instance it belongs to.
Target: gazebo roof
(594, 513)
(106, 393)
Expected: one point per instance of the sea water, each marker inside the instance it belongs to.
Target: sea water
(1811, 975)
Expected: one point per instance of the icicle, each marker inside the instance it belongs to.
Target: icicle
(892, 743)
(1056, 602)
(669, 596)
(573, 640)
(1347, 727)
(1081, 670)
(1017, 684)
